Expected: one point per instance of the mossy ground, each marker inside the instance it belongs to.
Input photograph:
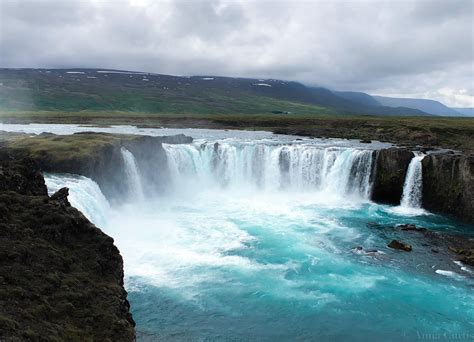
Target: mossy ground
(61, 278)
(64, 147)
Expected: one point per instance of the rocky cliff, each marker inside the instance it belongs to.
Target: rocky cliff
(98, 156)
(448, 184)
(61, 278)
(389, 175)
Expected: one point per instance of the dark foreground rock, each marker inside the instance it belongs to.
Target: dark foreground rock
(61, 278)
(448, 184)
(390, 169)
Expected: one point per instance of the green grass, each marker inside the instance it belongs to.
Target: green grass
(39, 92)
(456, 133)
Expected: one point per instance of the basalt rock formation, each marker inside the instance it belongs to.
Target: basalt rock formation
(448, 184)
(390, 170)
(61, 278)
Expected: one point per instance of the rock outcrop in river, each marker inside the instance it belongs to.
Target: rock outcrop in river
(390, 170)
(61, 278)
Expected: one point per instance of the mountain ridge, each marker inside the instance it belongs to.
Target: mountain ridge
(80, 89)
(73, 89)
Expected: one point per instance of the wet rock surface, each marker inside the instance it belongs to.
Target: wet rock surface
(61, 278)
(395, 244)
(390, 170)
(430, 250)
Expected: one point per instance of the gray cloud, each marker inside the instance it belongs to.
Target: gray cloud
(403, 48)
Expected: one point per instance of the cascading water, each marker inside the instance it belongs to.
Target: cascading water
(412, 187)
(84, 194)
(271, 167)
(253, 251)
(132, 173)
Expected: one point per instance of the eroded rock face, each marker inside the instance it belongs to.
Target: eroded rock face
(22, 177)
(448, 184)
(390, 170)
(61, 278)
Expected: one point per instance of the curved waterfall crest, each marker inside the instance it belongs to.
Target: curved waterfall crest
(268, 166)
(413, 185)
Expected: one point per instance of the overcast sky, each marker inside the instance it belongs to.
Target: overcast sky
(418, 48)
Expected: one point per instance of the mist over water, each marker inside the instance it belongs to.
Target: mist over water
(254, 240)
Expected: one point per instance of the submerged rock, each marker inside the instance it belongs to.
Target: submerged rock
(61, 278)
(411, 228)
(395, 244)
(362, 251)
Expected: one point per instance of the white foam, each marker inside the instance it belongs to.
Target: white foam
(407, 211)
(450, 274)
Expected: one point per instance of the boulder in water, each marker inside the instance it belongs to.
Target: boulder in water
(395, 244)
(466, 255)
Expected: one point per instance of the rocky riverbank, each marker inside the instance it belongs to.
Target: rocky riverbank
(61, 278)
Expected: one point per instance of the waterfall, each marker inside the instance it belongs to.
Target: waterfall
(132, 174)
(412, 188)
(84, 194)
(270, 167)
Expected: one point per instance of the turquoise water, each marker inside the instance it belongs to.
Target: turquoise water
(282, 267)
(255, 241)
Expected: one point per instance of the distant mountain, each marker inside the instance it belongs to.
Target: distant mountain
(361, 98)
(118, 90)
(464, 111)
(427, 106)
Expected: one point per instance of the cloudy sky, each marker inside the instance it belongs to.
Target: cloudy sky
(421, 48)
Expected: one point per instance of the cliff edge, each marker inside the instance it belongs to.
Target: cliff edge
(61, 278)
